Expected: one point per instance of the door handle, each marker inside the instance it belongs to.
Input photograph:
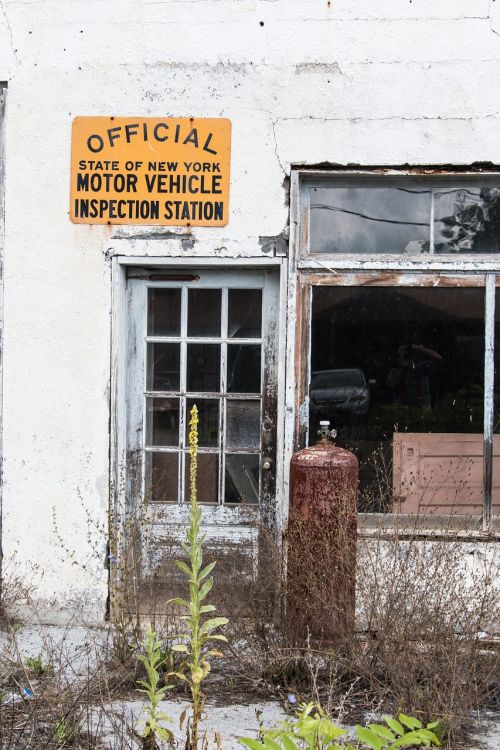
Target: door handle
(266, 464)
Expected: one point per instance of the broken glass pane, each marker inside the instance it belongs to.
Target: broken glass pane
(244, 313)
(242, 479)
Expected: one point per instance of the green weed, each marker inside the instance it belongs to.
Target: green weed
(311, 729)
(196, 642)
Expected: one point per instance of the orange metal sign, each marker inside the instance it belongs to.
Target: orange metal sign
(145, 170)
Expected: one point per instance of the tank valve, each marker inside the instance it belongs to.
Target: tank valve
(324, 432)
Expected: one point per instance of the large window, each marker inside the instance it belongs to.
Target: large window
(402, 354)
(366, 215)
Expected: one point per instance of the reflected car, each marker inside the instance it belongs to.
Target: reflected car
(345, 391)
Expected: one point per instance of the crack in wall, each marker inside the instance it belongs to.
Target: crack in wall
(490, 19)
(9, 29)
(273, 125)
(355, 120)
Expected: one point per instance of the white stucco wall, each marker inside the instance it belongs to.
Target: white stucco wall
(303, 81)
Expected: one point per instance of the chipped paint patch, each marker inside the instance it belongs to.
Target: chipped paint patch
(317, 67)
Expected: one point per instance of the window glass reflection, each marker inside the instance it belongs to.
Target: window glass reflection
(370, 220)
(403, 362)
(467, 220)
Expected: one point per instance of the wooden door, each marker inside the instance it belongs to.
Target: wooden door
(210, 338)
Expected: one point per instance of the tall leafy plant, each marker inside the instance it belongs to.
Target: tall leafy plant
(197, 641)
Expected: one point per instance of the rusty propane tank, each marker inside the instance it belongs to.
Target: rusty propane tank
(322, 529)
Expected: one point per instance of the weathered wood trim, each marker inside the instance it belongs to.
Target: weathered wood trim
(118, 247)
(334, 264)
(400, 526)
(392, 279)
(445, 172)
(118, 418)
(282, 415)
(489, 398)
(3, 91)
(302, 362)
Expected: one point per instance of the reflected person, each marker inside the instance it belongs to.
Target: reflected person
(409, 381)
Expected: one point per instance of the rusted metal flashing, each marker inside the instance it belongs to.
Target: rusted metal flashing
(477, 167)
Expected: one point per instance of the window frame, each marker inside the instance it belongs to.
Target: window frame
(308, 269)
(307, 258)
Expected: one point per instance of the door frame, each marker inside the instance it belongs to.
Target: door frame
(3, 96)
(121, 264)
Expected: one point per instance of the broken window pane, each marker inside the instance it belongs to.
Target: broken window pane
(242, 424)
(244, 313)
(164, 312)
(204, 312)
(163, 367)
(370, 220)
(162, 421)
(242, 479)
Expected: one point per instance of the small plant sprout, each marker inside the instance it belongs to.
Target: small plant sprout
(65, 731)
(152, 660)
(35, 664)
(196, 643)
